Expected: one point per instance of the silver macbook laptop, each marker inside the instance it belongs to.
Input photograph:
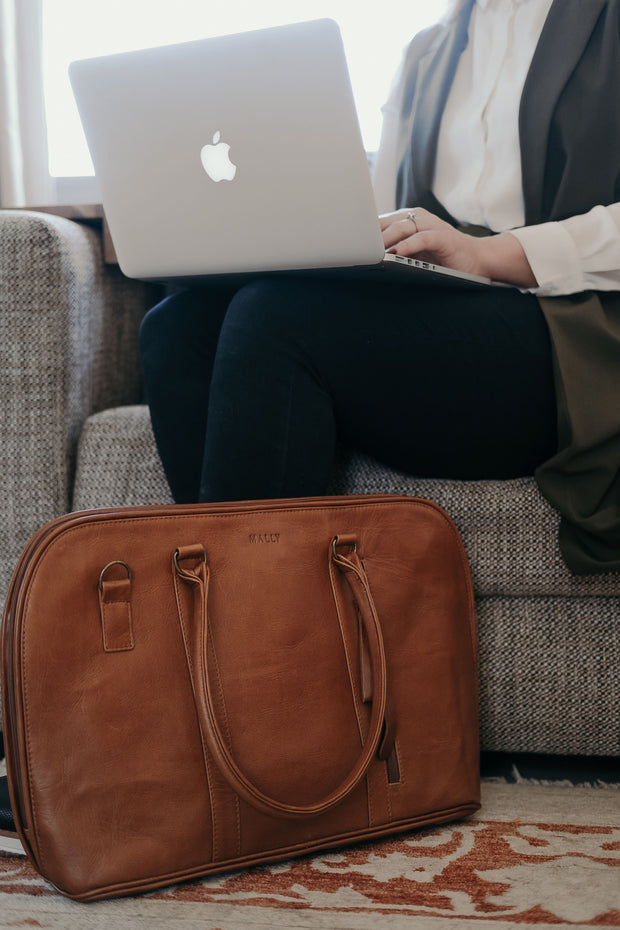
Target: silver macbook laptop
(240, 154)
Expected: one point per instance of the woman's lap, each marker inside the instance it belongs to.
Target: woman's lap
(440, 383)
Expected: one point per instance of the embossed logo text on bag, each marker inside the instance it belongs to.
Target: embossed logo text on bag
(264, 537)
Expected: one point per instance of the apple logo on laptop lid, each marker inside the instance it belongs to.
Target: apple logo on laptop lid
(216, 160)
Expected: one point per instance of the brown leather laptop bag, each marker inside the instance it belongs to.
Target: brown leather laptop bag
(193, 689)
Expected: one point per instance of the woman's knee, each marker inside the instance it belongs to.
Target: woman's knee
(157, 327)
(167, 319)
(180, 324)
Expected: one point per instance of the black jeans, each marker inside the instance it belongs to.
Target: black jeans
(251, 390)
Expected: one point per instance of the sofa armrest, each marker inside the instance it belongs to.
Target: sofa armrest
(68, 347)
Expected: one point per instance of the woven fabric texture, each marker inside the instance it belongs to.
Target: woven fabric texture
(549, 643)
(549, 674)
(68, 347)
(117, 462)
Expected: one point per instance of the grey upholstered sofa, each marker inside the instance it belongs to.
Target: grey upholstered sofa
(75, 435)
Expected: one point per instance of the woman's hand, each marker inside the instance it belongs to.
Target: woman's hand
(421, 234)
(418, 233)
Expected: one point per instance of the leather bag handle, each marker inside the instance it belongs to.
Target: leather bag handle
(195, 631)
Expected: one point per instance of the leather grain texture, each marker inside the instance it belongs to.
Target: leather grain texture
(158, 660)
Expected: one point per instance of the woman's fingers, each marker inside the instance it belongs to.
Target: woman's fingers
(417, 232)
(400, 226)
(409, 232)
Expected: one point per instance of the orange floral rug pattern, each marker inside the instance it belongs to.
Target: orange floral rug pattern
(533, 856)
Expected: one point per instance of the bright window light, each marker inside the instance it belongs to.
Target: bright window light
(374, 41)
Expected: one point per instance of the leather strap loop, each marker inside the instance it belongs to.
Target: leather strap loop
(195, 634)
(115, 607)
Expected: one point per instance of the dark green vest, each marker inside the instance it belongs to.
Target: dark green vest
(569, 124)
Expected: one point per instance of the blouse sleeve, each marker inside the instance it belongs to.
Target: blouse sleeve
(581, 253)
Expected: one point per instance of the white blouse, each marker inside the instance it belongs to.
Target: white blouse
(478, 168)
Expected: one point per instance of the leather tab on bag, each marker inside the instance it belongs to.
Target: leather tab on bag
(115, 608)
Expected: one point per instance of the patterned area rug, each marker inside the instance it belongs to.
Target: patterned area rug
(534, 856)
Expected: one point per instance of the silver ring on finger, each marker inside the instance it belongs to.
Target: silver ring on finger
(411, 217)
